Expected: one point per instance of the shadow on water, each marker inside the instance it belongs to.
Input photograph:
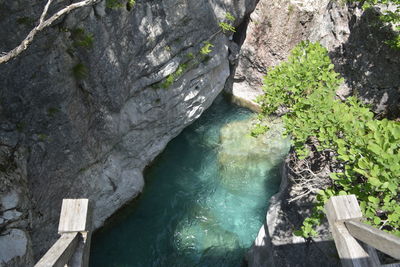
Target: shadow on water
(186, 216)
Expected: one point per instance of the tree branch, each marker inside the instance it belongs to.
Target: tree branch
(44, 13)
(42, 25)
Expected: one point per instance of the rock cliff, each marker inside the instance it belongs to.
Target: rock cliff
(355, 39)
(95, 98)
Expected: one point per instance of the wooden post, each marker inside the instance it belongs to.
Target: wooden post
(73, 247)
(76, 217)
(351, 253)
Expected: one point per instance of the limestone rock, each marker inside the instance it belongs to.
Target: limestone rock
(15, 207)
(13, 244)
(355, 40)
(91, 118)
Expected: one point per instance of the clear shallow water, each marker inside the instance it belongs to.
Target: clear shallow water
(205, 197)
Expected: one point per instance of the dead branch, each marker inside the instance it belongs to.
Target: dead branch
(43, 23)
(306, 181)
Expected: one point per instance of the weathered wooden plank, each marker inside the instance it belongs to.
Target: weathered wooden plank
(351, 253)
(74, 216)
(61, 252)
(342, 208)
(385, 242)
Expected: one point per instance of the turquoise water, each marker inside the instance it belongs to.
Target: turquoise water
(205, 197)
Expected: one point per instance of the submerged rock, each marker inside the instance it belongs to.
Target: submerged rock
(243, 158)
(202, 232)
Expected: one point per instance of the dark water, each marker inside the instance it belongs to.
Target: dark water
(205, 197)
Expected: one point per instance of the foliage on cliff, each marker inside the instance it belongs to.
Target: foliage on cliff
(366, 149)
(392, 16)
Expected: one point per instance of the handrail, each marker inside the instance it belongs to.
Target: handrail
(376, 238)
(61, 252)
(345, 220)
(72, 248)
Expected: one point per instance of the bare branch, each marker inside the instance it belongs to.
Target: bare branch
(306, 182)
(44, 13)
(42, 25)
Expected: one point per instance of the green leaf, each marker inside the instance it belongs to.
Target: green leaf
(373, 200)
(377, 220)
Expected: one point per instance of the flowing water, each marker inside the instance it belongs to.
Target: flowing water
(205, 197)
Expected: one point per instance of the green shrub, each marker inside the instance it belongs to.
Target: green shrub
(258, 129)
(173, 76)
(79, 71)
(81, 39)
(130, 4)
(367, 148)
(206, 48)
(113, 4)
(229, 17)
(307, 69)
(190, 55)
(227, 26)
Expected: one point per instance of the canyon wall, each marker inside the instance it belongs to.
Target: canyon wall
(355, 40)
(93, 101)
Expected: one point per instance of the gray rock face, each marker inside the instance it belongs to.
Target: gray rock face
(355, 40)
(91, 117)
(15, 208)
(13, 244)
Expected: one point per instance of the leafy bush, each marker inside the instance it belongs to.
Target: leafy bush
(229, 17)
(368, 149)
(81, 38)
(79, 71)
(226, 26)
(206, 48)
(307, 69)
(130, 4)
(120, 3)
(173, 76)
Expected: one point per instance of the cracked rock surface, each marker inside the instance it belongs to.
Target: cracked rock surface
(84, 120)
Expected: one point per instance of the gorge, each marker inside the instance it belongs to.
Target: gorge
(204, 199)
(84, 119)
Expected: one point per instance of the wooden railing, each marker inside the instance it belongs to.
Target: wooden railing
(345, 220)
(73, 247)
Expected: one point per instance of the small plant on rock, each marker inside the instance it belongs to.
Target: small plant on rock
(226, 26)
(206, 48)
